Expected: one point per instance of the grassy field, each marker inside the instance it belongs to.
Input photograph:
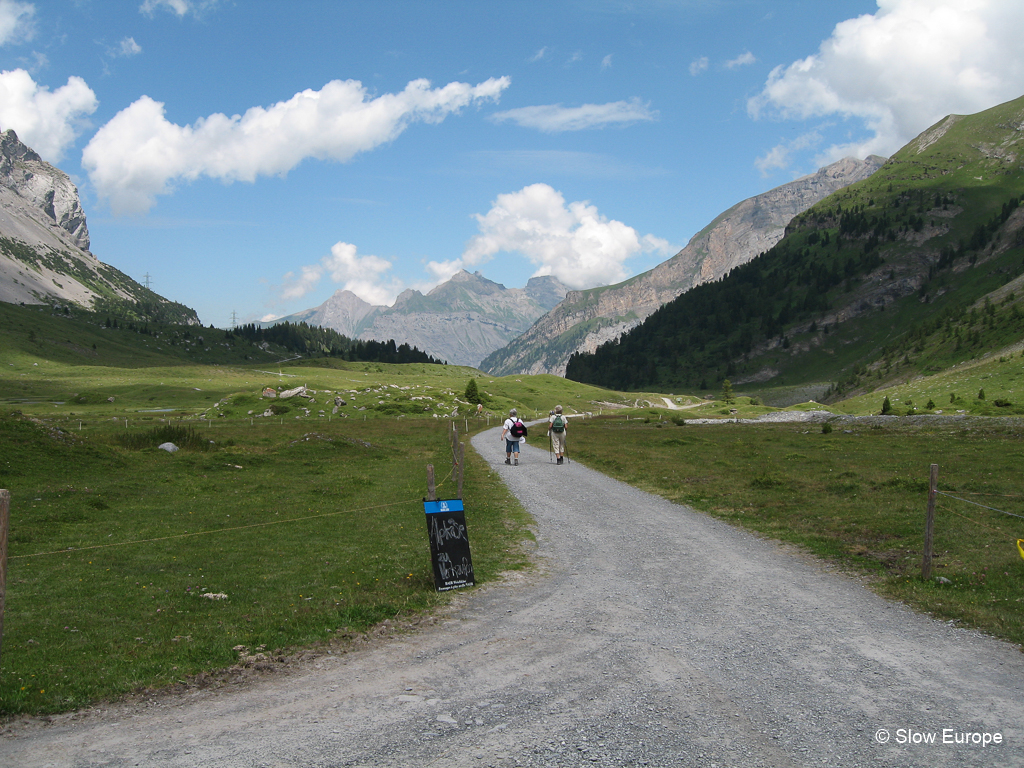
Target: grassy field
(132, 567)
(306, 513)
(856, 496)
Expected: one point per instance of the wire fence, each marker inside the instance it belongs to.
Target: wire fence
(1001, 532)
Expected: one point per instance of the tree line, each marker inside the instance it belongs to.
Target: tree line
(305, 339)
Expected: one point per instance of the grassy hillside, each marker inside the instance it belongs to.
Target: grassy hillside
(859, 280)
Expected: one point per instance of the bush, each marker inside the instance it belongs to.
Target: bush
(766, 481)
(826, 428)
(186, 438)
(886, 406)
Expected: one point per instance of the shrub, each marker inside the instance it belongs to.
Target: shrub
(826, 428)
(186, 438)
(766, 481)
(886, 406)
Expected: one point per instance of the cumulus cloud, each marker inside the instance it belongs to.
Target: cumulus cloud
(901, 69)
(139, 154)
(554, 118)
(779, 156)
(362, 275)
(178, 7)
(17, 21)
(128, 47)
(606, 62)
(573, 242)
(699, 65)
(741, 61)
(48, 121)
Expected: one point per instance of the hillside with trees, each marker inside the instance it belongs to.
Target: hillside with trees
(906, 272)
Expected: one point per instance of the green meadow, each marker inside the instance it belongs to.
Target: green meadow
(289, 524)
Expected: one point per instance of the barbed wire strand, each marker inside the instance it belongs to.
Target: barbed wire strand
(968, 501)
(1000, 495)
(976, 522)
(211, 531)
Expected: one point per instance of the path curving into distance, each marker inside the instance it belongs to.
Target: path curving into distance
(650, 635)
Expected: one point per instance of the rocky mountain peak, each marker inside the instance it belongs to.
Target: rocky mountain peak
(42, 186)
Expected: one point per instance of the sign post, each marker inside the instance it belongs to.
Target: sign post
(449, 544)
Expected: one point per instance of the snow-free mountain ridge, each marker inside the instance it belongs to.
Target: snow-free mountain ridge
(587, 319)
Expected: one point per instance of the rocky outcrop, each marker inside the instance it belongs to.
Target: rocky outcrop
(461, 320)
(44, 243)
(39, 184)
(587, 319)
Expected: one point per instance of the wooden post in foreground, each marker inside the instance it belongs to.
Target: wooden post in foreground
(462, 460)
(929, 522)
(5, 521)
(431, 490)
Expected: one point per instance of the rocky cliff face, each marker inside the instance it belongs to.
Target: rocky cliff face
(44, 187)
(44, 243)
(587, 319)
(461, 320)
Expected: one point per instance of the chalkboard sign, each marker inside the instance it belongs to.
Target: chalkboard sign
(449, 544)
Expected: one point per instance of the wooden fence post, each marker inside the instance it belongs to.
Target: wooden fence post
(5, 520)
(929, 522)
(431, 490)
(462, 459)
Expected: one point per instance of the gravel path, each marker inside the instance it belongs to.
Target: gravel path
(650, 635)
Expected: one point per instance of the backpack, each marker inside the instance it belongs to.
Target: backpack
(518, 429)
(557, 425)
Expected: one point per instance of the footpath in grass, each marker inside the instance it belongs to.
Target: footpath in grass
(131, 567)
(857, 496)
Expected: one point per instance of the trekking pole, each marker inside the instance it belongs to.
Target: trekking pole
(549, 448)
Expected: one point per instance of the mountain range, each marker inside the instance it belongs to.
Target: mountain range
(587, 319)
(44, 245)
(916, 268)
(461, 320)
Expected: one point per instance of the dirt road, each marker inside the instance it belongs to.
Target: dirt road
(650, 635)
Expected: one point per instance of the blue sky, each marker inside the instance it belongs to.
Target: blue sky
(253, 157)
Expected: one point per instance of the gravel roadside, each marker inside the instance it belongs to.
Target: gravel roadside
(649, 635)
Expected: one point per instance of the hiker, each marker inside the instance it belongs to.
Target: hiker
(557, 424)
(512, 430)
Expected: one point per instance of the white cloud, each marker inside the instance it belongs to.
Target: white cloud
(902, 69)
(128, 47)
(554, 118)
(178, 7)
(741, 61)
(574, 243)
(699, 65)
(606, 62)
(17, 21)
(362, 275)
(139, 154)
(778, 157)
(48, 121)
(539, 55)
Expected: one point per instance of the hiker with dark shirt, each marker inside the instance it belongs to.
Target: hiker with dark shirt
(512, 430)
